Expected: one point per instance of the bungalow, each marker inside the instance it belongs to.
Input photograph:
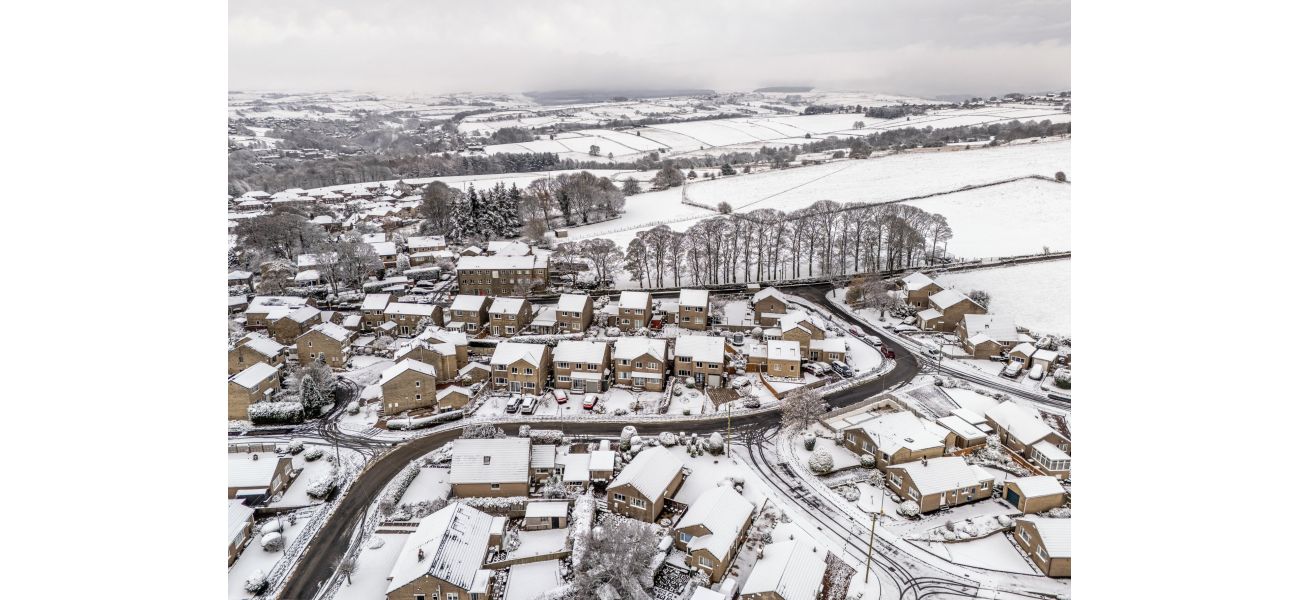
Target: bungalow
(1044, 358)
(946, 310)
(254, 348)
(581, 366)
(236, 304)
(1047, 542)
(425, 243)
(935, 483)
(510, 316)
(711, 530)
(240, 526)
(769, 306)
(521, 368)
(332, 343)
(408, 385)
(411, 318)
(783, 358)
(573, 313)
(639, 362)
(701, 358)
(469, 313)
(507, 248)
(789, 570)
(639, 490)
(1022, 432)
(633, 311)
(489, 467)
(574, 470)
(897, 438)
(257, 475)
(965, 434)
(443, 557)
(1023, 353)
(546, 515)
(257, 383)
(918, 287)
(693, 310)
(985, 335)
(286, 329)
(372, 309)
(1034, 494)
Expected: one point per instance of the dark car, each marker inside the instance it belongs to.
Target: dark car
(886, 352)
(841, 369)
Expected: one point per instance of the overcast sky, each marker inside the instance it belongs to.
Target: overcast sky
(917, 47)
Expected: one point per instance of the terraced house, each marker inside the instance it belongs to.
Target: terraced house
(469, 313)
(410, 316)
(693, 310)
(501, 275)
(332, 343)
(639, 363)
(701, 358)
(521, 368)
(573, 313)
(510, 316)
(581, 365)
(634, 311)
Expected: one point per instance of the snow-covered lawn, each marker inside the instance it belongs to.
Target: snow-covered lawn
(366, 370)
(1015, 218)
(844, 458)
(296, 495)
(994, 552)
(254, 558)
(863, 357)
(433, 483)
(542, 541)
(370, 580)
(691, 402)
(872, 498)
(1037, 295)
(531, 580)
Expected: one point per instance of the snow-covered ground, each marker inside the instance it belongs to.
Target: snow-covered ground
(994, 552)
(433, 483)
(531, 580)
(254, 558)
(370, 580)
(1016, 218)
(296, 495)
(542, 541)
(1036, 294)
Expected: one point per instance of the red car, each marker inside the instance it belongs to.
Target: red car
(561, 396)
(887, 352)
(590, 401)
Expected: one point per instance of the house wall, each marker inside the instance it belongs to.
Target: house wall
(623, 373)
(1030, 506)
(315, 342)
(537, 378)
(931, 502)
(632, 319)
(653, 506)
(783, 368)
(287, 330)
(768, 305)
(484, 490)
(695, 319)
(280, 480)
(539, 523)
(244, 357)
(500, 321)
(1052, 567)
(474, 319)
(412, 322)
(720, 563)
(482, 282)
(400, 393)
(238, 398)
(431, 587)
(568, 323)
(921, 297)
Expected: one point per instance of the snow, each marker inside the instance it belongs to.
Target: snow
(538, 542)
(490, 460)
(432, 483)
(650, 472)
(993, 552)
(254, 558)
(532, 580)
(370, 580)
(699, 348)
(1037, 294)
(1015, 218)
(580, 351)
(508, 353)
(254, 375)
(453, 540)
(944, 473)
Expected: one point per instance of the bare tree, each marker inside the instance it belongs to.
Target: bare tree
(347, 567)
(802, 408)
(618, 552)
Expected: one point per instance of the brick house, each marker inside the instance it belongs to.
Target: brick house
(897, 438)
(1033, 494)
(240, 527)
(828, 349)
(946, 310)
(801, 327)
(769, 306)
(443, 557)
(985, 335)
(469, 313)
(1022, 432)
(257, 474)
(372, 309)
(788, 570)
(408, 385)
(634, 311)
(410, 315)
(286, 329)
(502, 275)
(693, 310)
(783, 359)
(263, 310)
(573, 313)
(252, 349)
(711, 530)
(452, 397)
(521, 368)
(918, 287)
(334, 342)
(236, 278)
(257, 383)
(510, 316)
(581, 365)
(1047, 542)
(640, 489)
(701, 358)
(640, 363)
(935, 483)
(489, 467)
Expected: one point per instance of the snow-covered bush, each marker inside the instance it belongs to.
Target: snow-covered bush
(821, 462)
(716, 444)
(867, 460)
(677, 391)
(1063, 378)
(270, 413)
(620, 411)
(545, 436)
(394, 490)
(353, 408)
(272, 542)
(1004, 520)
(690, 384)
(839, 439)
(272, 526)
(668, 439)
(809, 441)
(686, 411)
(909, 509)
(295, 447)
(850, 493)
(625, 438)
(256, 583)
(320, 487)
(313, 453)
(524, 430)
(1060, 512)
(751, 402)
(482, 431)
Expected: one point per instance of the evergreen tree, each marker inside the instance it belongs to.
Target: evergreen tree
(310, 395)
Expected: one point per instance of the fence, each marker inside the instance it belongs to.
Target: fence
(523, 560)
(251, 447)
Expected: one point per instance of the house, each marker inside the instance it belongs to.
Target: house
(574, 470)
(443, 356)
(935, 483)
(946, 310)
(783, 359)
(507, 248)
(701, 358)
(985, 335)
(258, 383)
(1044, 358)
(235, 278)
(521, 368)
(425, 243)
(581, 366)
(640, 362)
(918, 287)
(634, 311)
(443, 557)
(573, 313)
(474, 372)
(469, 313)
(801, 327)
(286, 329)
(711, 530)
(240, 527)
(489, 467)
(408, 385)
(509, 316)
(544, 322)
(769, 306)
(387, 253)
(236, 304)
(257, 475)
(254, 348)
(966, 435)
(332, 343)
(1047, 542)
(372, 309)
(639, 490)
(602, 465)
(897, 438)
(502, 275)
(1022, 432)
(1034, 494)
(351, 322)
(452, 397)
(828, 349)
(411, 318)
(546, 515)
(789, 570)
(693, 310)
(263, 310)
(542, 463)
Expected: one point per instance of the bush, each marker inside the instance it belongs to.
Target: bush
(295, 447)
(313, 454)
(1063, 379)
(752, 402)
(272, 542)
(272, 526)
(821, 462)
(353, 408)
(524, 430)
(482, 431)
(686, 411)
(850, 493)
(322, 485)
(273, 413)
(909, 509)
(256, 583)
(867, 460)
(620, 411)
(716, 444)
(809, 441)
(668, 439)
(839, 439)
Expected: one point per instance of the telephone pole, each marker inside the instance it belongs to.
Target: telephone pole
(871, 545)
(728, 430)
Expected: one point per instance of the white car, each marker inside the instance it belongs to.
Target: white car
(1012, 369)
(1036, 372)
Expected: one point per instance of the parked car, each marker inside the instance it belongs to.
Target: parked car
(855, 330)
(561, 396)
(886, 352)
(814, 368)
(1036, 372)
(874, 341)
(906, 329)
(998, 358)
(842, 369)
(529, 406)
(513, 404)
(589, 402)
(825, 366)
(1012, 370)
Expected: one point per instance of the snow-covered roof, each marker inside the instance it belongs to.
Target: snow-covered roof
(916, 281)
(543, 457)
(1024, 348)
(703, 593)
(236, 301)
(323, 220)
(452, 389)
(453, 540)
(307, 275)
(572, 302)
(507, 306)
(928, 314)
(632, 347)
(783, 350)
(1050, 452)
(1055, 534)
(333, 331)
(311, 260)
(770, 292)
(969, 416)
(694, 298)
(501, 262)
(633, 299)
(700, 348)
(792, 569)
(580, 351)
(385, 248)
(895, 431)
(266, 304)
(238, 275)
(352, 321)
(798, 319)
(1045, 354)
(304, 314)
(238, 515)
(1018, 422)
(934, 475)
(410, 309)
(650, 472)
(404, 366)
(577, 467)
(510, 352)
(602, 460)
(472, 367)
(261, 344)
(961, 427)
(834, 344)
(999, 328)
(375, 302)
(1037, 486)
(722, 511)
(468, 302)
(946, 298)
(246, 473)
(253, 375)
(503, 460)
(425, 241)
(507, 248)
(537, 509)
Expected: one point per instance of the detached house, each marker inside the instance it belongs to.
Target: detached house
(257, 383)
(897, 438)
(769, 306)
(1034, 494)
(408, 385)
(1047, 542)
(573, 313)
(789, 570)
(946, 310)
(469, 313)
(693, 310)
(501, 275)
(521, 368)
(252, 349)
(935, 483)
(372, 309)
(783, 359)
(263, 310)
(700, 357)
(331, 342)
(286, 329)
(711, 530)
(640, 363)
(1021, 431)
(489, 467)
(634, 311)
(510, 316)
(985, 335)
(918, 287)
(443, 557)
(257, 475)
(639, 490)
(801, 327)
(828, 349)
(409, 316)
(581, 366)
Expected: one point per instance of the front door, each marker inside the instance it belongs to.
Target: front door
(943, 499)
(580, 385)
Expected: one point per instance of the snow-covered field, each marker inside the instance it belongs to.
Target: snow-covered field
(1037, 295)
(370, 580)
(1016, 218)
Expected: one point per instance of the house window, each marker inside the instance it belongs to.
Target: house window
(420, 597)
(562, 365)
(417, 384)
(911, 492)
(639, 364)
(1042, 553)
(638, 503)
(620, 498)
(487, 460)
(706, 562)
(563, 379)
(984, 485)
(1024, 534)
(308, 343)
(514, 370)
(528, 371)
(496, 486)
(685, 537)
(417, 397)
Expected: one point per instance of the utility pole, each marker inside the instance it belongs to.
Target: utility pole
(728, 430)
(871, 545)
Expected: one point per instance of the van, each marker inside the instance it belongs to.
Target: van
(1036, 372)
(1012, 370)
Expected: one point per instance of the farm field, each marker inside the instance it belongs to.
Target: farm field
(1016, 218)
(1036, 295)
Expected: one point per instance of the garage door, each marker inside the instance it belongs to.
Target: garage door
(1013, 497)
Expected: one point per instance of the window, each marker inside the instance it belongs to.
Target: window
(620, 498)
(419, 597)
(308, 343)
(895, 480)
(496, 486)
(699, 364)
(487, 460)
(706, 562)
(685, 537)
(528, 371)
(563, 379)
(1024, 534)
(417, 384)
(984, 485)
(639, 364)
(639, 503)
(514, 370)
(1042, 553)
(562, 365)
(911, 492)
(417, 397)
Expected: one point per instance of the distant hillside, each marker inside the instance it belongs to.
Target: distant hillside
(785, 89)
(580, 96)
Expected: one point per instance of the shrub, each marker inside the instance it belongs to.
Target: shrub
(620, 411)
(314, 453)
(821, 462)
(256, 583)
(839, 439)
(850, 493)
(752, 402)
(909, 509)
(272, 542)
(322, 485)
(271, 413)
(625, 437)
(272, 526)
(1063, 379)
(867, 460)
(524, 430)
(686, 411)
(295, 447)
(353, 408)
(809, 441)
(668, 439)
(716, 444)
(482, 431)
